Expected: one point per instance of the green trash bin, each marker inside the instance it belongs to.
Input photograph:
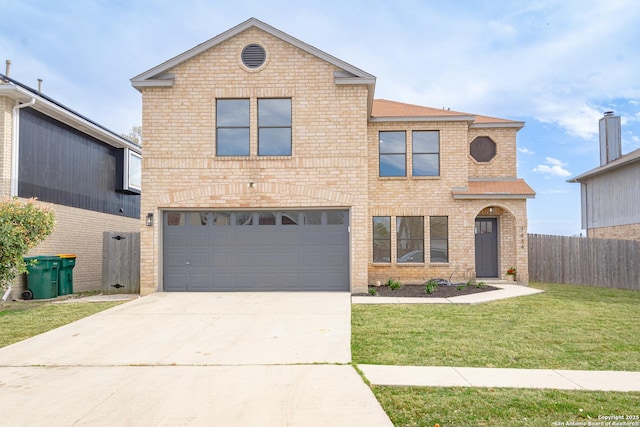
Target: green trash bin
(65, 278)
(42, 280)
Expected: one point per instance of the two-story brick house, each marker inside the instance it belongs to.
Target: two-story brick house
(269, 166)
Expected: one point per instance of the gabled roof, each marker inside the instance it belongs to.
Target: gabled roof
(159, 75)
(628, 158)
(495, 189)
(52, 108)
(385, 111)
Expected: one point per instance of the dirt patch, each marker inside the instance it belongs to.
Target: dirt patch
(418, 291)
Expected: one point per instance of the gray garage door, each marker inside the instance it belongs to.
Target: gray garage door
(256, 251)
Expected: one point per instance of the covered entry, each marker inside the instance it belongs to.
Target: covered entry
(275, 250)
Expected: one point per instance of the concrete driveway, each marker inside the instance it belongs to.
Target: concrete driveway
(232, 359)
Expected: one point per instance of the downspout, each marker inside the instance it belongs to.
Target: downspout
(15, 146)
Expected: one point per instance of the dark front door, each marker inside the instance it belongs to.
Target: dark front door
(486, 247)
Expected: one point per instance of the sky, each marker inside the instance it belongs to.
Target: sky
(557, 65)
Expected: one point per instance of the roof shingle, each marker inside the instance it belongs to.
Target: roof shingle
(386, 108)
(495, 189)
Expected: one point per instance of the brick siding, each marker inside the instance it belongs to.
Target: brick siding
(624, 232)
(334, 161)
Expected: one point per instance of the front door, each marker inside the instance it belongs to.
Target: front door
(486, 247)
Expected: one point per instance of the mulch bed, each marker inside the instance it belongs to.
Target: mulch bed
(417, 291)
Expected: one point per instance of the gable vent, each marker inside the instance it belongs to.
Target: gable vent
(253, 56)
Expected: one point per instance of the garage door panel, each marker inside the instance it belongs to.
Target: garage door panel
(199, 282)
(240, 260)
(288, 259)
(312, 259)
(336, 260)
(175, 240)
(220, 238)
(198, 259)
(314, 238)
(243, 237)
(174, 260)
(220, 280)
(175, 281)
(289, 237)
(265, 238)
(243, 281)
(266, 259)
(220, 259)
(216, 257)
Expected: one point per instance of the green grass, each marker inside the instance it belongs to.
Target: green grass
(567, 327)
(21, 320)
(426, 406)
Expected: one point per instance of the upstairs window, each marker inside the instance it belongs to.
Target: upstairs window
(393, 154)
(274, 127)
(232, 131)
(426, 153)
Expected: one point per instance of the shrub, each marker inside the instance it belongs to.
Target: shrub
(23, 225)
(431, 286)
(373, 292)
(394, 284)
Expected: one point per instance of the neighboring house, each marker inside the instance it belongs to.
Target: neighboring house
(269, 166)
(610, 193)
(62, 158)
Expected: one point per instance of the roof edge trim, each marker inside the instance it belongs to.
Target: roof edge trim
(472, 196)
(485, 125)
(423, 119)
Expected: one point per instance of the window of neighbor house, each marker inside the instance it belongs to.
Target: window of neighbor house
(410, 235)
(393, 153)
(232, 127)
(381, 239)
(439, 232)
(274, 127)
(426, 153)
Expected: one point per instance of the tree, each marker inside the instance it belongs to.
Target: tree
(135, 135)
(23, 225)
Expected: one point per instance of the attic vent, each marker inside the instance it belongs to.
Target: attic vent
(253, 56)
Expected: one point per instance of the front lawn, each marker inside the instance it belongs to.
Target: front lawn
(21, 320)
(566, 327)
(459, 407)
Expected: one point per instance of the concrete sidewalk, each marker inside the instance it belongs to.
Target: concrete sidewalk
(436, 376)
(505, 291)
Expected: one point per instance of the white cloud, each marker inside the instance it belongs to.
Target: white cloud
(553, 167)
(525, 150)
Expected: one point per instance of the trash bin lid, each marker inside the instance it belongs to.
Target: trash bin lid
(42, 258)
(67, 255)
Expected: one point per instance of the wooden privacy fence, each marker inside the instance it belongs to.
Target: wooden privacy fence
(120, 262)
(581, 261)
